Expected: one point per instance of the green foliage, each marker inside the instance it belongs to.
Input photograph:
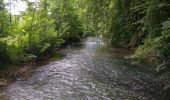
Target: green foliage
(4, 22)
(66, 19)
(37, 30)
(99, 17)
(15, 48)
(144, 25)
(157, 48)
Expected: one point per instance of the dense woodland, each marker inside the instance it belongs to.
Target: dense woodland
(142, 25)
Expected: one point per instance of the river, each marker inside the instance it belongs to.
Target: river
(88, 71)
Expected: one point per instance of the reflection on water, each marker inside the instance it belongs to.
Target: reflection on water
(89, 71)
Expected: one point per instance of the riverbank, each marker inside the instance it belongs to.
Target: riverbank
(13, 72)
(10, 75)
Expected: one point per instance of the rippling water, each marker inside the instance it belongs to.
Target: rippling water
(89, 71)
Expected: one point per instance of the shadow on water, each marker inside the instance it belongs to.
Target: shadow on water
(88, 71)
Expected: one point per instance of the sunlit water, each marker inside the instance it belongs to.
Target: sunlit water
(89, 71)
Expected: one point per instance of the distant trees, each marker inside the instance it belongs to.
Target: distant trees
(66, 19)
(99, 16)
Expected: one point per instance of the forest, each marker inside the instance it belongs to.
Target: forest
(30, 29)
(141, 25)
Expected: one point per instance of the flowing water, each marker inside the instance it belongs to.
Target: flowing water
(88, 71)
